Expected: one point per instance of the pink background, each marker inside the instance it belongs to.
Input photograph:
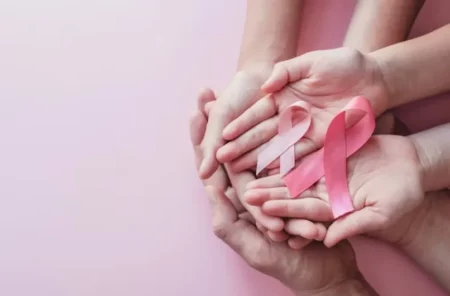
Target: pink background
(99, 194)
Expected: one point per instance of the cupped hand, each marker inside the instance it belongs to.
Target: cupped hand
(220, 179)
(243, 91)
(384, 180)
(326, 79)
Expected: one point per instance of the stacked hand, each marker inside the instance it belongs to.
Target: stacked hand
(327, 80)
(315, 269)
(384, 182)
(327, 269)
(384, 177)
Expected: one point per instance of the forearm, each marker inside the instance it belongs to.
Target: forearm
(433, 150)
(416, 68)
(430, 247)
(270, 34)
(377, 24)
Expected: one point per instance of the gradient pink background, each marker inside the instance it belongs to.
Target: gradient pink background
(99, 194)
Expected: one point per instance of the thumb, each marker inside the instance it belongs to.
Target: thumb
(287, 72)
(356, 223)
(213, 140)
(241, 237)
(223, 213)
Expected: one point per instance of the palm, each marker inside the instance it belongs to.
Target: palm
(333, 79)
(382, 177)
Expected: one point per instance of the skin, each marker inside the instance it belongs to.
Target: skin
(270, 35)
(422, 234)
(381, 23)
(389, 77)
(329, 271)
(384, 181)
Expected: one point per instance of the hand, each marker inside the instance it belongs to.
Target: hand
(384, 180)
(313, 269)
(243, 91)
(273, 226)
(326, 79)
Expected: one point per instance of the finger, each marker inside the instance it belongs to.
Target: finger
(257, 113)
(257, 197)
(298, 243)
(231, 194)
(209, 163)
(260, 227)
(267, 182)
(239, 235)
(303, 228)
(204, 97)
(356, 223)
(305, 208)
(248, 160)
(208, 107)
(223, 212)
(286, 72)
(251, 139)
(279, 236)
(197, 127)
(239, 182)
(211, 140)
(321, 232)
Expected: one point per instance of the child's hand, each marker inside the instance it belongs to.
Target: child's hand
(327, 80)
(384, 179)
(243, 92)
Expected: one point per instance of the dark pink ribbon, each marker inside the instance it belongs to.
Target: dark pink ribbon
(349, 130)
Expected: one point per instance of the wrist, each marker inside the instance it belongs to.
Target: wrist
(378, 91)
(259, 69)
(352, 287)
(425, 161)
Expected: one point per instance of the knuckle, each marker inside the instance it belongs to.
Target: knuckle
(287, 210)
(220, 231)
(280, 66)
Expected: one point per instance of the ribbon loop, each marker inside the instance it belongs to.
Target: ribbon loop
(345, 135)
(288, 134)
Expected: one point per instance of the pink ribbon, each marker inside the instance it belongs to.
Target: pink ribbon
(282, 145)
(349, 130)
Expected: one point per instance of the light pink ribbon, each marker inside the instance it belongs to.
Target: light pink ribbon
(282, 145)
(349, 130)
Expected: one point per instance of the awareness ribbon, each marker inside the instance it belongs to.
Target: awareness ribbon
(348, 131)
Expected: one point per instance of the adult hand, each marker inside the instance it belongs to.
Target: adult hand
(384, 180)
(326, 79)
(219, 179)
(314, 270)
(243, 91)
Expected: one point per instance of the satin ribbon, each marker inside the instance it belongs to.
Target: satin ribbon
(349, 130)
(282, 145)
